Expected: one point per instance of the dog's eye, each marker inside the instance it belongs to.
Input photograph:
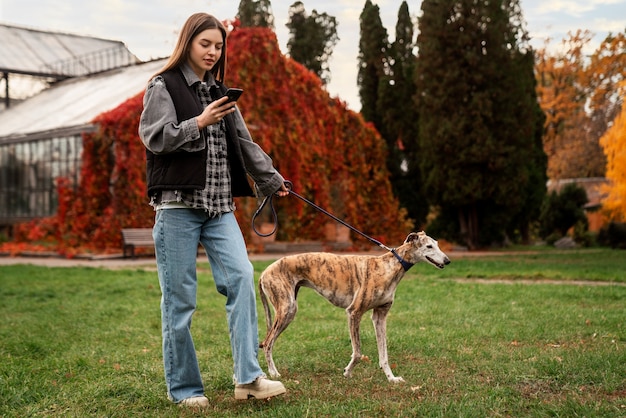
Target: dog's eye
(429, 246)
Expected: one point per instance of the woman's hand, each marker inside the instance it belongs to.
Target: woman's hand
(283, 191)
(215, 112)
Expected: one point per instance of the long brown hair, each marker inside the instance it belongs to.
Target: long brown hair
(195, 24)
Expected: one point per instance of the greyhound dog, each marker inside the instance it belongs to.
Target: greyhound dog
(356, 283)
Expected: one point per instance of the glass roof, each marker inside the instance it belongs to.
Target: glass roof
(73, 104)
(58, 55)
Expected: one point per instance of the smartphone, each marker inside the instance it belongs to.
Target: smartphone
(233, 94)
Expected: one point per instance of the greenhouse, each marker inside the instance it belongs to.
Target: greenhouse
(41, 135)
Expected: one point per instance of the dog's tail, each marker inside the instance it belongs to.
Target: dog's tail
(266, 308)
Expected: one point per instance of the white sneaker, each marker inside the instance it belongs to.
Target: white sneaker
(195, 402)
(262, 388)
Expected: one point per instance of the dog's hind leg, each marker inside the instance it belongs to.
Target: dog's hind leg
(379, 318)
(266, 308)
(285, 307)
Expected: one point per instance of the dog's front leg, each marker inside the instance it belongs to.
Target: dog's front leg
(379, 318)
(354, 321)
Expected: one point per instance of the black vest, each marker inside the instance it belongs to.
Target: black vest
(187, 170)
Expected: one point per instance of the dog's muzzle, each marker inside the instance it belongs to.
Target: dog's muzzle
(446, 261)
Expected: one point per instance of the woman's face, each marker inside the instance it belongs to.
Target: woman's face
(205, 51)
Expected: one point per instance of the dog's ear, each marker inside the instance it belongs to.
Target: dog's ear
(412, 237)
(415, 236)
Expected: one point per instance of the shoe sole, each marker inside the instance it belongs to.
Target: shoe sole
(243, 394)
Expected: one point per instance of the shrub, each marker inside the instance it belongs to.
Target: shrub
(561, 211)
(613, 235)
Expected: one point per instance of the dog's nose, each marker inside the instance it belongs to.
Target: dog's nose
(446, 261)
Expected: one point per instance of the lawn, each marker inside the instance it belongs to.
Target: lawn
(535, 334)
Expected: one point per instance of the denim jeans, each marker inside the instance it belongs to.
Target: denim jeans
(177, 233)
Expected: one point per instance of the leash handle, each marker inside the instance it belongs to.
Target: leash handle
(266, 199)
(270, 199)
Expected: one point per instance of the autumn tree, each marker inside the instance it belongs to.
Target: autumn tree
(614, 146)
(312, 39)
(606, 74)
(478, 119)
(580, 98)
(256, 13)
(563, 94)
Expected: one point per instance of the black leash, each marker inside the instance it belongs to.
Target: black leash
(405, 264)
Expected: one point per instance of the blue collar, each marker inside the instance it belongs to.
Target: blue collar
(405, 264)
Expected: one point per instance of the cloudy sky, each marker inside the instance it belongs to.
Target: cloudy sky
(149, 28)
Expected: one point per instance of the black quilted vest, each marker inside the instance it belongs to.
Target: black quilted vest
(187, 170)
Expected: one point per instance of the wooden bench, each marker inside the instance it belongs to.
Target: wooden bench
(136, 237)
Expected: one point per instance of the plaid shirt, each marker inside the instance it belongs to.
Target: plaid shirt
(216, 197)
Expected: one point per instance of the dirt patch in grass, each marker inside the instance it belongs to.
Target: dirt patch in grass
(526, 281)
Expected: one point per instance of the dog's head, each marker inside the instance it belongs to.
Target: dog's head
(423, 247)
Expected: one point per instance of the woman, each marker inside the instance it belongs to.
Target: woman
(199, 153)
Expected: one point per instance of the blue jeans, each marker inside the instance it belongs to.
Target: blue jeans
(177, 233)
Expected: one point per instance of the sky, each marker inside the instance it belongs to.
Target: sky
(149, 28)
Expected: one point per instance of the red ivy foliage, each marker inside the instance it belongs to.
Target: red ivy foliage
(329, 153)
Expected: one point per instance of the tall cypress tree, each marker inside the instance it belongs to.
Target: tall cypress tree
(396, 102)
(373, 62)
(478, 117)
(256, 13)
(396, 88)
(537, 164)
(312, 39)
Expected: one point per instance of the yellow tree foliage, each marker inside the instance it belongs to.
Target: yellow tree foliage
(614, 145)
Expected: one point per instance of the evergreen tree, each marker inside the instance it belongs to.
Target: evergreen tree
(373, 62)
(312, 39)
(396, 103)
(478, 116)
(537, 164)
(256, 13)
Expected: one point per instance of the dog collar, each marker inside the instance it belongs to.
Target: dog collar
(405, 264)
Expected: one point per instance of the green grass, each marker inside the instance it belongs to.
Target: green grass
(78, 342)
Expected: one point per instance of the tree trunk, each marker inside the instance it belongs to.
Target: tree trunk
(468, 220)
